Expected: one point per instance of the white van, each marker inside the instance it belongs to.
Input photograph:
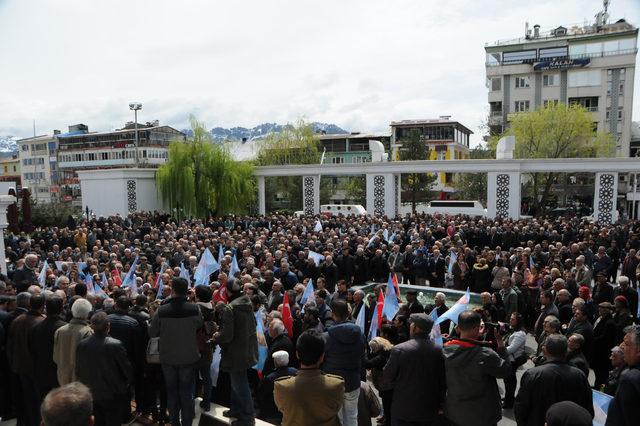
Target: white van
(455, 207)
(342, 209)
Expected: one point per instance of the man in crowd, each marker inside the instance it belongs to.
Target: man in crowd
(103, 366)
(66, 339)
(554, 381)
(69, 405)
(176, 324)
(624, 409)
(311, 397)
(471, 370)
(411, 365)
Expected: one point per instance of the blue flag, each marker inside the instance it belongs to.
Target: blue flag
(206, 267)
(42, 277)
(373, 330)
(184, 273)
(393, 237)
(453, 258)
(453, 312)
(435, 335)
(263, 349)
(104, 282)
(130, 279)
(318, 227)
(234, 266)
(220, 253)
(317, 257)
(97, 289)
(308, 294)
(391, 305)
(159, 282)
(88, 280)
(601, 403)
(372, 241)
(360, 320)
(638, 291)
(531, 262)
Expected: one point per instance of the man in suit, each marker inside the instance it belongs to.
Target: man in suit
(411, 365)
(275, 297)
(102, 364)
(603, 291)
(312, 397)
(437, 268)
(415, 307)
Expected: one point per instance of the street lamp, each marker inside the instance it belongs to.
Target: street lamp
(135, 107)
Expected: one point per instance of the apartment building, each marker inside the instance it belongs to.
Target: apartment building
(38, 166)
(592, 65)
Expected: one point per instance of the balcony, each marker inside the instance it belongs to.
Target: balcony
(350, 157)
(561, 58)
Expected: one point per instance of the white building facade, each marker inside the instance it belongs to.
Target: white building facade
(38, 166)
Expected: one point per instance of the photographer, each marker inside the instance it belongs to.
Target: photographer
(515, 342)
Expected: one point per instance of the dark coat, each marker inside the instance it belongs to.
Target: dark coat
(237, 337)
(473, 398)
(330, 274)
(602, 293)
(346, 267)
(23, 278)
(543, 386)
(578, 360)
(280, 343)
(20, 359)
(604, 338)
(41, 348)
(439, 268)
(344, 353)
(416, 374)
(586, 330)
(176, 323)
(624, 410)
(127, 330)
(102, 364)
(360, 270)
(379, 270)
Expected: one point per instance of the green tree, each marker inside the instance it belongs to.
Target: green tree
(417, 184)
(473, 186)
(557, 131)
(201, 178)
(296, 144)
(355, 188)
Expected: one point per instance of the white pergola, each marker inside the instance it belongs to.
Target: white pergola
(503, 181)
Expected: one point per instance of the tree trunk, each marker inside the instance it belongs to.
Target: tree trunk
(547, 189)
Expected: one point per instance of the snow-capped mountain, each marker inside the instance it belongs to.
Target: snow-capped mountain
(8, 144)
(262, 130)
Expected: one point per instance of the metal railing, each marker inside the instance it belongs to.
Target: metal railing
(561, 58)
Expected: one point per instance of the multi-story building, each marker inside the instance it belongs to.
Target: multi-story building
(10, 170)
(38, 166)
(80, 149)
(591, 65)
(447, 140)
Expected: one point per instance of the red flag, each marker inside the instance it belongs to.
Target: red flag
(380, 306)
(287, 319)
(394, 280)
(221, 295)
(116, 277)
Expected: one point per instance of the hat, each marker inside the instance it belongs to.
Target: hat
(605, 305)
(584, 290)
(412, 292)
(423, 321)
(601, 274)
(622, 300)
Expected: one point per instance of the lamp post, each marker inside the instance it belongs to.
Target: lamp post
(135, 107)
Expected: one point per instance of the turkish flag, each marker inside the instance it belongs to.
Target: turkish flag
(380, 306)
(116, 277)
(394, 280)
(287, 318)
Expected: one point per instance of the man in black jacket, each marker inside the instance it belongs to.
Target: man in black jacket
(554, 381)
(279, 342)
(624, 409)
(411, 365)
(102, 364)
(437, 268)
(41, 347)
(176, 323)
(604, 339)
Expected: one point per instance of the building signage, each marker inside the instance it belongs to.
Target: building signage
(561, 64)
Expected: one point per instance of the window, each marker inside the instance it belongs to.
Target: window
(547, 102)
(25, 147)
(550, 80)
(522, 106)
(522, 82)
(584, 78)
(519, 57)
(553, 52)
(493, 59)
(496, 84)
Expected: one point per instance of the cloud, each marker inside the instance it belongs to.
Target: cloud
(359, 64)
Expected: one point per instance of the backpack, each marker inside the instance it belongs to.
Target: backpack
(205, 333)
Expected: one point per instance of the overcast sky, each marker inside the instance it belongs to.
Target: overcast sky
(357, 64)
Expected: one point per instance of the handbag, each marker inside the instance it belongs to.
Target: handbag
(153, 351)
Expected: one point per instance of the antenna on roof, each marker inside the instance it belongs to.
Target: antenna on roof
(34, 128)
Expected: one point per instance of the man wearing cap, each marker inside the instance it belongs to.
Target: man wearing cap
(624, 289)
(604, 338)
(415, 373)
(603, 291)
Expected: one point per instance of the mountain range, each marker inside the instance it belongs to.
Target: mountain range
(8, 145)
(262, 130)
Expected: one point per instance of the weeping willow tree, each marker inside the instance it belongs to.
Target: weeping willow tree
(201, 178)
(296, 144)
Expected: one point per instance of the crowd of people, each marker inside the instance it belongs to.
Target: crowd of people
(113, 319)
